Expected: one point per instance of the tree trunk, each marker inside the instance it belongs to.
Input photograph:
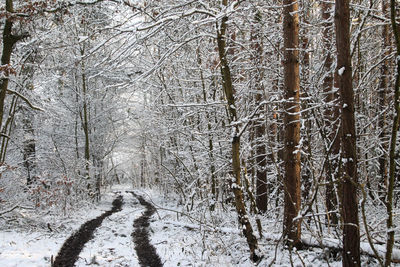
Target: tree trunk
(213, 182)
(29, 143)
(291, 225)
(259, 124)
(382, 94)
(98, 175)
(8, 44)
(29, 152)
(331, 115)
(306, 135)
(85, 124)
(9, 40)
(392, 150)
(7, 128)
(236, 171)
(349, 182)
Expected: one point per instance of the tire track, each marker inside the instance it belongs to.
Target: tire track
(72, 247)
(146, 252)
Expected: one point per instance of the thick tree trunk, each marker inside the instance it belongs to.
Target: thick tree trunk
(9, 40)
(8, 44)
(392, 150)
(291, 225)
(349, 181)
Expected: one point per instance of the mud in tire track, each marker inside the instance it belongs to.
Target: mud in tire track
(146, 252)
(69, 252)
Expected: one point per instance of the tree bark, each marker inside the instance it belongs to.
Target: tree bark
(8, 44)
(306, 135)
(383, 102)
(9, 40)
(291, 225)
(392, 150)
(259, 124)
(29, 143)
(349, 181)
(7, 128)
(331, 115)
(85, 123)
(236, 169)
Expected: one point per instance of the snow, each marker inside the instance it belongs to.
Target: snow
(21, 248)
(181, 237)
(341, 71)
(113, 241)
(27, 249)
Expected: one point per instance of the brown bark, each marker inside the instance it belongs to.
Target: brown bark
(331, 115)
(8, 44)
(29, 147)
(382, 94)
(7, 128)
(236, 169)
(261, 170)
(259, 127)
(351, 234)
(85, 123)
(9, 40)
(306, 159)
(392, 150)
(292, 226)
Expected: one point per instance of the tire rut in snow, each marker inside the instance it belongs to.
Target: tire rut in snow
(147, 254)
(72, 247)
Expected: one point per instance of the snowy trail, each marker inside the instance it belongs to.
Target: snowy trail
(72, 247)
(111, 238)
(112, 244)
(145, 250)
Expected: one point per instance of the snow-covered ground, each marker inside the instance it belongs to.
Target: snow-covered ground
(181, 238)
(21, 248)
(184, 241)
(112, 243)
(30, 248)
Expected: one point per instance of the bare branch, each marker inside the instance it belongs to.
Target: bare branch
(25, 99)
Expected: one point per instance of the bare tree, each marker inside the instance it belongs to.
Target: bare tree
(349, 181)
(236, 134)
(392, 148)
(383, 101)
(331, 116)
(291, 224)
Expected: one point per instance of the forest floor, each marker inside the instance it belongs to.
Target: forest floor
(132, 227)
(73, 246)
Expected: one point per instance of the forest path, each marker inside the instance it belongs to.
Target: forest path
(146, 252)
(73, 246)
(111, 237)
